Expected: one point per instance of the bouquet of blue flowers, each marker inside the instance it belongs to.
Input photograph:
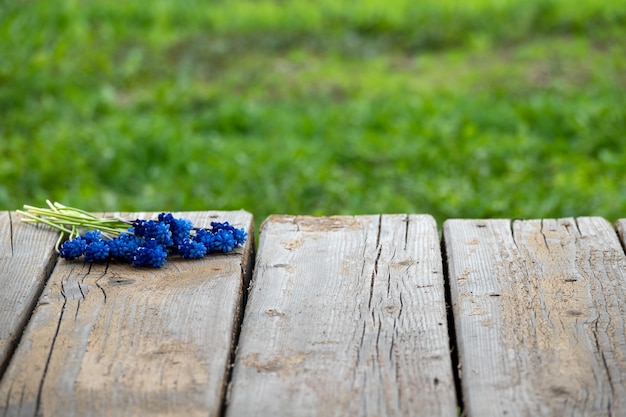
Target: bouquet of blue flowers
(139, 242)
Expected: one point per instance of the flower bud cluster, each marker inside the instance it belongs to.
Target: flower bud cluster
(149, 242)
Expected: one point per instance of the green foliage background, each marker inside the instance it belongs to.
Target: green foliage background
(482, 108)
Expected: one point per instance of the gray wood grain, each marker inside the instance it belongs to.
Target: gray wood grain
(346, 317)
(27, 257)
(539, 308)
(118, 340)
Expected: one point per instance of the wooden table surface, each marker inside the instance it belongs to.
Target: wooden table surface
(377, 315)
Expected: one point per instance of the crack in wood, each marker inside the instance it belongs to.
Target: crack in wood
(607, 368)
(80, 287)
(603, 360)
(512, 226)
(577, 227)
(11, 234)
(106, 269)
(407, 220)
(375, 271)
(378, 324)
(545, 239)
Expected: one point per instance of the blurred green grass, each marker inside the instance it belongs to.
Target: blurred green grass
(489, 108)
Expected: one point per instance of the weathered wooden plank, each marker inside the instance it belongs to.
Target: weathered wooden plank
(346, 317)
(120, 340)
(27, 257)
(539, 310)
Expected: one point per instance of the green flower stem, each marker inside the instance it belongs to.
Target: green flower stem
(59, 241)
(34, 219)
(59, 223)
(68, 220)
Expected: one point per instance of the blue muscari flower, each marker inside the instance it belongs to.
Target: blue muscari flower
(167, 218)
(206, 238)
(122, 247)
(224, 241)
(138, 227)
(180, 228)
(149, 229)
(74, 248)
(240, 236)
(217, 226)
(97, 251)
(93, 236)
(190, 249)
(147, 241)
(149, 254)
